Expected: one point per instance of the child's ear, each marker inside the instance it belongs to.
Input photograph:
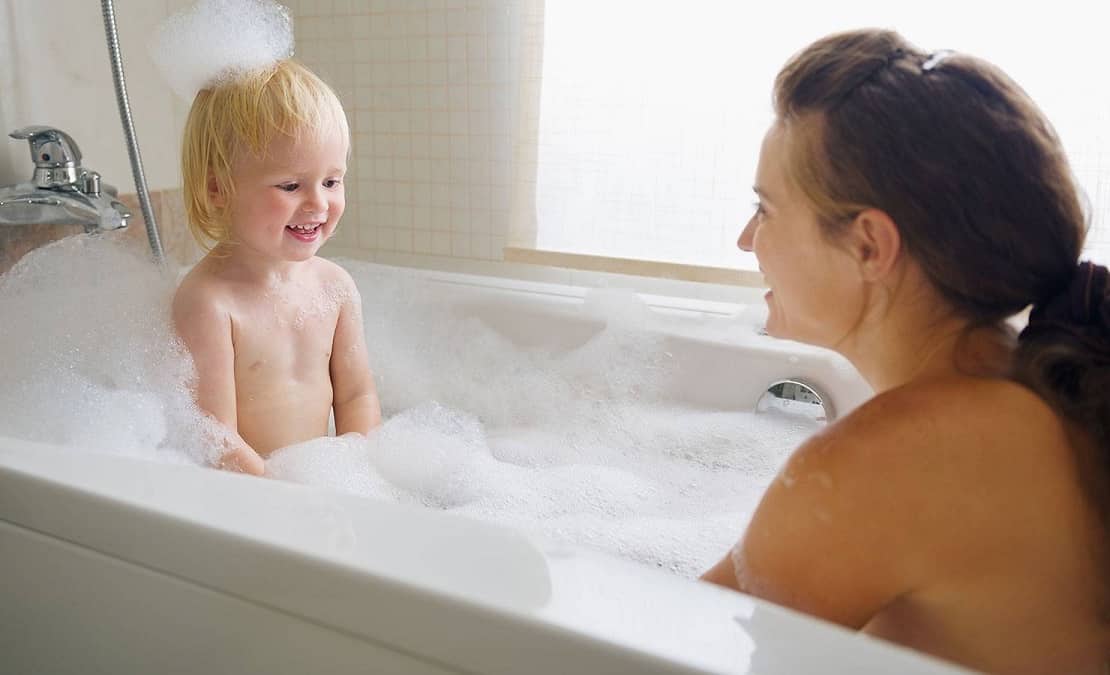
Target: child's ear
(876, 243)
(215, 194)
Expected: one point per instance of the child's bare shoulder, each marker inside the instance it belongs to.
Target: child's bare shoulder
(331, 272)
(336, 280)
(202, 292)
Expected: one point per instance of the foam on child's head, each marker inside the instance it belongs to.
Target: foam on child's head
(242, 101)
(216, 39)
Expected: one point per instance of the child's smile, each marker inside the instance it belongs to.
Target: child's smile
(308, 232)
(288, 202)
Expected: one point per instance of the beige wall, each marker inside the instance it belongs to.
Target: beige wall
(431, 88)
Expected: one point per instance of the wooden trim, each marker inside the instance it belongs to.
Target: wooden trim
(641, 268)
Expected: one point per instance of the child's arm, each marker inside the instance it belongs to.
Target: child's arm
(355, 398)
(206, 331)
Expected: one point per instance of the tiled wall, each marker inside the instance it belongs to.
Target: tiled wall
(430, 88)
(440, 115)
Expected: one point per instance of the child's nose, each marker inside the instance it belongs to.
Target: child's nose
(314, 202)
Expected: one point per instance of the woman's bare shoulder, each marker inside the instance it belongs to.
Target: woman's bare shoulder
(950, 415)
(955, 411)
(944, 444)
(917, 477)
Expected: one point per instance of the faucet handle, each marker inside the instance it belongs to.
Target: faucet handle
(50, 147)
(55, 154)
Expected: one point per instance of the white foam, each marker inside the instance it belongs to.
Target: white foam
(571, 436)
(214, 39)
(568, 430)
(90, 359)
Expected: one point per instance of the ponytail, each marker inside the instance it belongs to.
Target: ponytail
(1064, 356)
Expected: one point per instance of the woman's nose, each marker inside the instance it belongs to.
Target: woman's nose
(744, 243)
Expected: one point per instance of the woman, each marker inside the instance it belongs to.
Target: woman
(909, 203)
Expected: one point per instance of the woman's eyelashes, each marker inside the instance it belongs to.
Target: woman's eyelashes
(760, 212)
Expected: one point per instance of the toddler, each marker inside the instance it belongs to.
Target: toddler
(275, 331)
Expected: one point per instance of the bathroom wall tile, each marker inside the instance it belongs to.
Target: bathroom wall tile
(366, 234)
(429, 91)
(460, 246)
(497, 247)
(386, 239)
(441, 244)
(480, 246)
(460, 221)
(480, 221)
(402, 217)
(403, 242)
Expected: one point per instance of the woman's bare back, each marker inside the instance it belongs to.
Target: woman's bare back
(946, 515)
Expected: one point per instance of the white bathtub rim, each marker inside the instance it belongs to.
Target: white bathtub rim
(555, 620)
(733, 327)
(350, 588)
(113, 479)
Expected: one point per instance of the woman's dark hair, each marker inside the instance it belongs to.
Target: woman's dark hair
(977, 181)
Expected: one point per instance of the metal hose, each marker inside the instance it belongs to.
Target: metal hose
(129, 131)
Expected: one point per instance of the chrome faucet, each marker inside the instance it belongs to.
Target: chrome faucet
(61, 191)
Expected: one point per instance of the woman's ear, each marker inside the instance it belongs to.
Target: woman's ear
(875, 241)
(216, 195)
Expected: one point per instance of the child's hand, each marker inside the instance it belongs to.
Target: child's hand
(243, 460)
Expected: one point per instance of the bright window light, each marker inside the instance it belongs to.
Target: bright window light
(651, 112)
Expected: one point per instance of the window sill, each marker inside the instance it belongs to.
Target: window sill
(641, 268)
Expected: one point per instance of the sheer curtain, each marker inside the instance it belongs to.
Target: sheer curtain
(650, 115)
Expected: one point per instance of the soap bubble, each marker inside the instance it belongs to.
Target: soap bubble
(563, 420)
(215, 39)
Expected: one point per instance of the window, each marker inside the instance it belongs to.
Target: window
(651, 113)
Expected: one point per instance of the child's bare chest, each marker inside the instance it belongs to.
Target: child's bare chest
(283, 343)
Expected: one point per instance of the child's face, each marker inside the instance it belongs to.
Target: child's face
(287, 204)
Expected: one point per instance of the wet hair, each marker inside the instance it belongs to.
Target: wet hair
(978, 183)
(244, 113)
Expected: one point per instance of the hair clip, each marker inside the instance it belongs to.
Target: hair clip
(935, 58)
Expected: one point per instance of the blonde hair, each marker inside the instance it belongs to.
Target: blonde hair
(245, 113)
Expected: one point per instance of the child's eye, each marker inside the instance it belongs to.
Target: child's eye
(288, 187)
(333, 183)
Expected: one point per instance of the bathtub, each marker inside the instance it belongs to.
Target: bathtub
(120, 565)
